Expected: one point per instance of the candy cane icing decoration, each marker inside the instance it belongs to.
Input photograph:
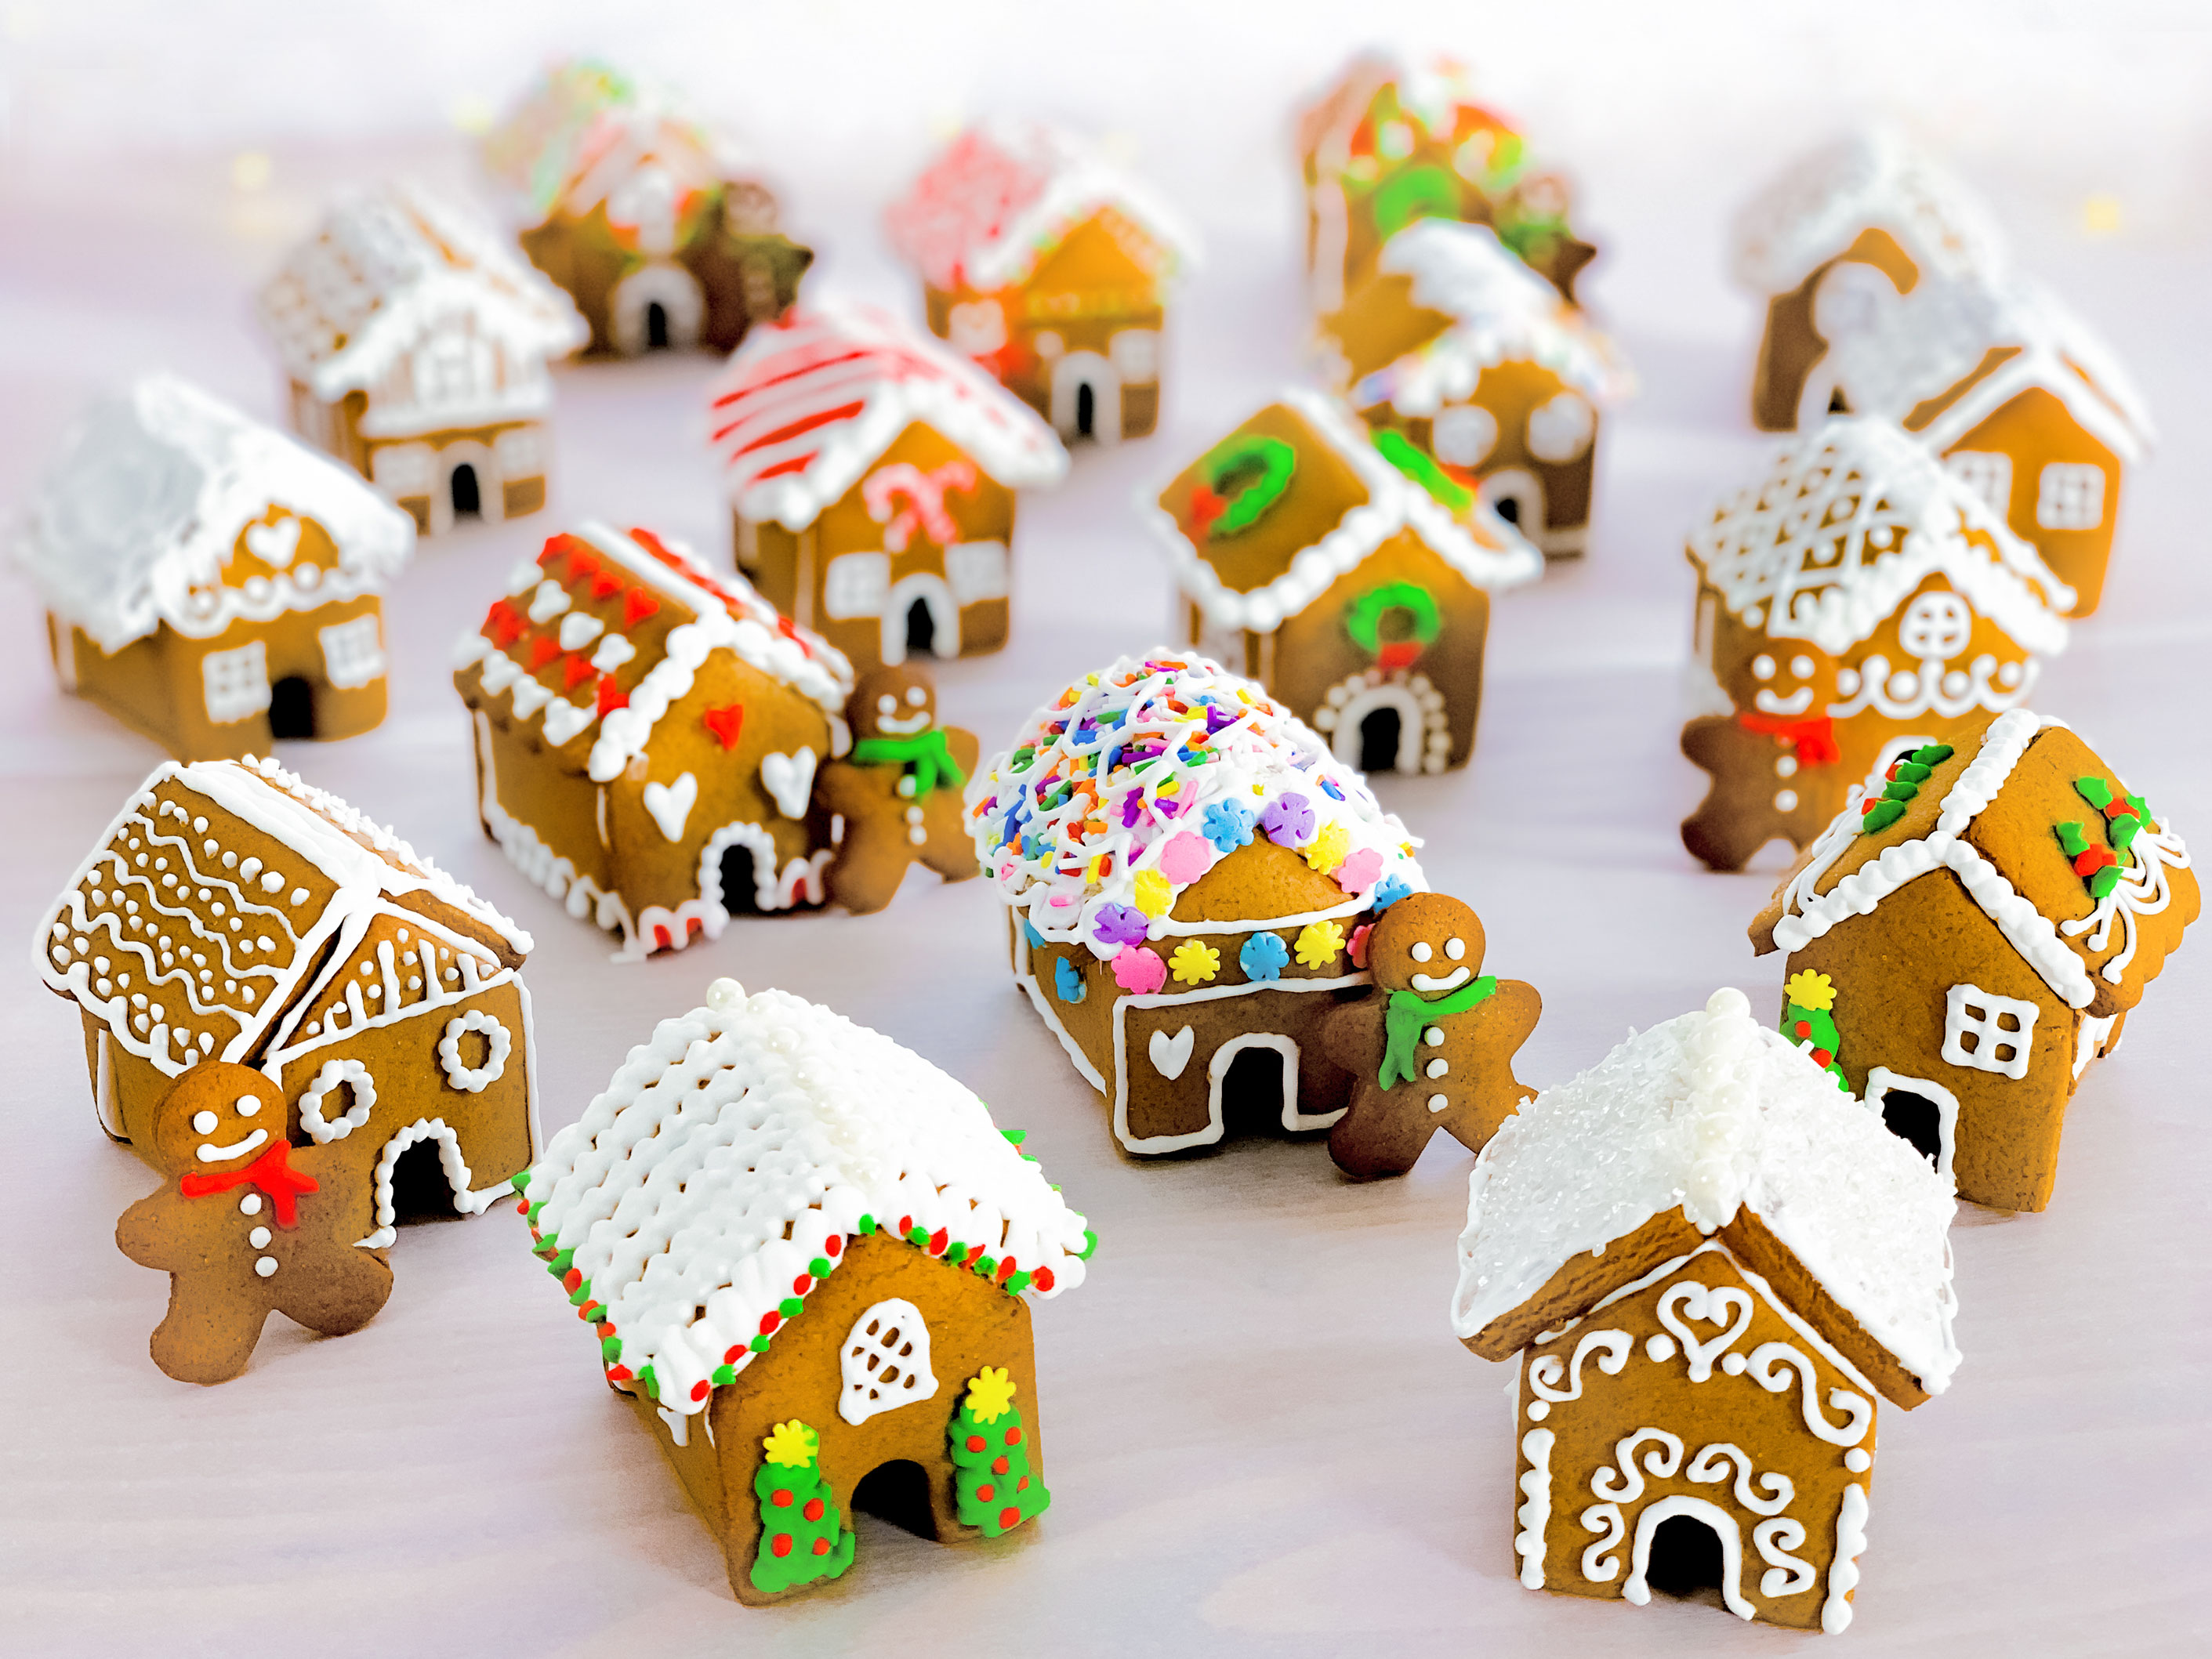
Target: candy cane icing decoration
(924, 493)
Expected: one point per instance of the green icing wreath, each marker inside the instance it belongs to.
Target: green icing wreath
(1244, 477)
(1363, 618)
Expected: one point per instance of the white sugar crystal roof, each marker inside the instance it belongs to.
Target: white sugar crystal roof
(729, 1149)
(133, 527)
(1713, 1112)
(1876, 177)
(1848, 520)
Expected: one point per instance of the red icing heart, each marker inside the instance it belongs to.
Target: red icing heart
(542, 650)
(581, 565)
(612, 696)
(605, 583)
(638, 603)
(725, 723)
(576, 670)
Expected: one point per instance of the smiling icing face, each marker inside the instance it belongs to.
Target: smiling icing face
(1793, 679)
(892, 702)
(218, 1118)
(1428, 944)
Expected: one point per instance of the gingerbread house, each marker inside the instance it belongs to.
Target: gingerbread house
(1348, 574)
(235, 913)
(1708, 1318)
(1858, 602)
(417, 348)
(1461, 350)
(1865, 217)
(871, 473)
(208, 581)
(1969, 935)
(1050, 267)
(647, 737)
(1188, 874)
(1389, 143)
(808, 1255)
(650, 222)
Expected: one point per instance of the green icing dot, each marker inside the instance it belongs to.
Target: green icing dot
(1089, 1243)
(918, 1236)
(611, 1349)
(868, 1225)
(790, 1307)
(819, 1266)
(521, 1179)
(649, 1382)
(723, 1374)
(1883, 814)
(759, 1344)
(1932, 754)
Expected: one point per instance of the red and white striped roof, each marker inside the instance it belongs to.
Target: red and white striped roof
(805, 408)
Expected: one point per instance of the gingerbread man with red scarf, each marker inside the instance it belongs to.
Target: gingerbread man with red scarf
(248, 1225)
(1774, 761)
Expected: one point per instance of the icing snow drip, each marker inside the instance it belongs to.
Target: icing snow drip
(1136, 781)
(725, 1165)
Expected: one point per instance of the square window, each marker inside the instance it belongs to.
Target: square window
(2071, 496)
(977, 570)
(855, 585)
(353, 651)
(1987, 473)
(1985, 1032)
(234, 683)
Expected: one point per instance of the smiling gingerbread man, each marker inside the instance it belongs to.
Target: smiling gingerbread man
(1433, 1048)
(899, 792)
(247, 1224)
(1774, 761)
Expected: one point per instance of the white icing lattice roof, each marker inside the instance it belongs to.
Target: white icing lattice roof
(751, 1139)
(1713, 1111)
(135, 525)
(1847, 522)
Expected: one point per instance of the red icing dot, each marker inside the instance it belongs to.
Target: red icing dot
(781, 1497)
(1000, 1467)
(781, 1544)
(906, 1225)
(1042, 1278)
(833, 1247)
(619, 1374)
(1013, 1436)
(700, 1390)
(813, 1509)
(977, 1443)
(770, 1321)
(522, 1207)
(730, 1354)
(1022, 1485)
(821, 1547)
(938, 1241)
(1822, 1057)
(1803, 1028)
(800, 1285)
(1009, 1516)
(984, 1494)
(572, 1279)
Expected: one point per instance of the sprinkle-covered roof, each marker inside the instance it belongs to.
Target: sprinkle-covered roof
(1136, 781)
(720, 1176)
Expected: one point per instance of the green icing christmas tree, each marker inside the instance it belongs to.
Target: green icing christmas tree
(803, 1537)
(1806, 1018)
(992, 1482)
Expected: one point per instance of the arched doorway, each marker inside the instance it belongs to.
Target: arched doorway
(1517, 496)
(1254, 1085)
(897, 1491)
(921, 629)
(1379, 728)
(1685, 1555)
(657, 307)
(467, 492)
(1381, 735)
(739, 884)
(920, 618)
(1086, 397)
(656, 326)
(468, 486)
(292, 708)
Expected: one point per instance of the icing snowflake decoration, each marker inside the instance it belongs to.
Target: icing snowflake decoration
(1115, 800)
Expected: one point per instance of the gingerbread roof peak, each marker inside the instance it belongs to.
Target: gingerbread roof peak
(731, 1157)
(1849, 520)
(1003, 195)
(1876, 179)
(136, 522)
(1134, 781)
(806, 405)
(1335, 133)
(1712, 1112)
(1470, 538)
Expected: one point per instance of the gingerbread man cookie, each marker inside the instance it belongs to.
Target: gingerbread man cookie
(899, 792)
(1433, 1048)
(248, 1225)
(1774, 762)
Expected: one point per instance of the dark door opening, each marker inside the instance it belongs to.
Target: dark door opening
(656, 326)
(897, 1491)
(1914, 1118)
(468, 499)
(739, 897)
(1086, 410)
(420, 1191)
(292, 708)
(1252, 1094)
(1379, 735)
(1508, 507)
(921, 629)
(1686, 1557)
(1837, 404)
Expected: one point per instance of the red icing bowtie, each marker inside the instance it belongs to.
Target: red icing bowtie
(270, 1172)
(1814, 738)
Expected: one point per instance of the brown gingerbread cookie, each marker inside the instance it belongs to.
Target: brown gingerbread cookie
(1433, 1048)
(247, 1224)
(899, 792)
(1770, 777)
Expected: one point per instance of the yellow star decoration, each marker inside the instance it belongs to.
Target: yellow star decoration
(1193, 963)
(991, 1395)
(1807, 989)
(1154, 897)
(790, 1445)
(1329, 847)
(1319, 943)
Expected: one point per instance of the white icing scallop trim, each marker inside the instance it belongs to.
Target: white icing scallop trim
(355, 1076)
(473, 1079)
(1534, 1514)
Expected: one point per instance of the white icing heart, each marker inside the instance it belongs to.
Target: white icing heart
(577, 630)
(1171, 1054)
(274, 544)
(671, 803)
(1701, 1302)
(789, 780)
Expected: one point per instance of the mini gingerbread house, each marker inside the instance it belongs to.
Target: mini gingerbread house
(1856, 603)
(1389, 143)
(647, 735)
(1348, 574)
(1050, 267)
(1189, 873)
(417, 347)
(810, 1243)
(1867, 216)
(1461, 350)
(1969, 935)
(1708, 1316)
(652, 222)
(234, 913)
(208, 580)
(872, 474)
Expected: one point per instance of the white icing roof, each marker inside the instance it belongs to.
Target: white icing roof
(1713, 1111)
(805, 406)
(1478, 544)
(135, 522)
(1004, 194)
(1848, 520)
(750, 1138)
(1872, 179)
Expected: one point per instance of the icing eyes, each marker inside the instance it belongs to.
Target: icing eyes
(917, 696)
(1455, 948)
(1801, 667)
(1762, 666)
(887, 704)
(1421, 953)
(247, 1106)
(203, 1122)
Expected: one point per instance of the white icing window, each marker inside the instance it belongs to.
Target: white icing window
(353, 651)
(1559, 430)
(1464, 435)
(1987, 473)
(977, 570)
(235, 682)
(1135, 355)
(1936, 625)
(402, 469)
(2070, 495)
(885, 1363)
(519, 453)
(855, 585)
(451, 367)
(1986, 1032)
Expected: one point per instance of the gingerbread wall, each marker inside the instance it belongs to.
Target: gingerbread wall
(1790, 345)
(2036, 430)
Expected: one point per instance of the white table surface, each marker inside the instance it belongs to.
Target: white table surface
(1259, 1433)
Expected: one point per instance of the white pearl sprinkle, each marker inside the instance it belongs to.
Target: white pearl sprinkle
(264, 1265)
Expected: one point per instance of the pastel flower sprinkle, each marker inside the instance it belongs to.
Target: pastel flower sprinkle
(1194, 962)
(1067, 981)
(1118, 924)
(1319, 943)
(1154, 895)
(1290, 821)
(1359, 944)
(1392, 889)
(1328, 848)
(1139, 971)
(1228, 826)
(1358, 870)
(1263, 956)
(1184, 859)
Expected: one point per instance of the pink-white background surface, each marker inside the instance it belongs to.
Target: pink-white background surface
(1259, 1434)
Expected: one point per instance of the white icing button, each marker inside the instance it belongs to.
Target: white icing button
(1856, 1460)
(1539, 1410)
(264, 1265)
(1433, 1036)
(1786, 766)
(250, 1205)
(259, 1238)
(203, 1122)
(1661, 1348)
(1785, 800)
(1438, 1066)
(1437, 1102)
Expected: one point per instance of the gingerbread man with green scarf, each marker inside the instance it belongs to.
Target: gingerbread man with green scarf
(1433, 1048)
(899, 792)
